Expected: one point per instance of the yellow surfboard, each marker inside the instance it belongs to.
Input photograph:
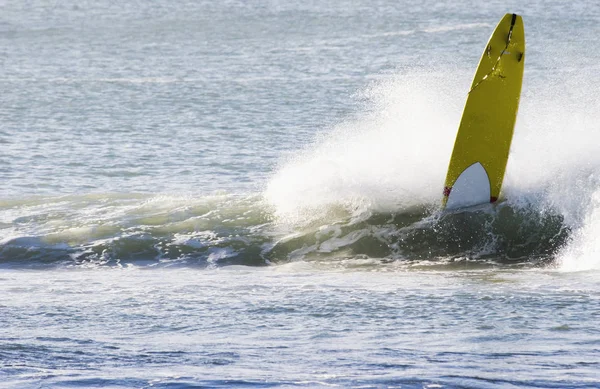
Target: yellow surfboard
(483, 141)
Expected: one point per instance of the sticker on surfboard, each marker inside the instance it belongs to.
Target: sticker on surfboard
(485, 132)
(472, 187)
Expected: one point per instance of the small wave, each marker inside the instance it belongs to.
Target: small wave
(337, 43)
(498, 233)
(112, 80)
(227, 230)
(118, 229)
(455, 27)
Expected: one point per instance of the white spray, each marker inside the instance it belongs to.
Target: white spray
(395, 156)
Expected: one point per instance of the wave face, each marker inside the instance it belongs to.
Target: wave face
(228, 230)
(125, 229)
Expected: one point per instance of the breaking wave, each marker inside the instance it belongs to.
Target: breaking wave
(364, 192)
(229, 230)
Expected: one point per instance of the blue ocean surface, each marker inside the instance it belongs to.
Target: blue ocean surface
(246, 194)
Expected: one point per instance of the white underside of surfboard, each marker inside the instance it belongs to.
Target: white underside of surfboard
(472, 187)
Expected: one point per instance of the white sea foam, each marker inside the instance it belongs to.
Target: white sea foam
(555, 163)
(583, 253)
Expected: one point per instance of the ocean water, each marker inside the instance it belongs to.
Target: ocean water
(246, 194)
